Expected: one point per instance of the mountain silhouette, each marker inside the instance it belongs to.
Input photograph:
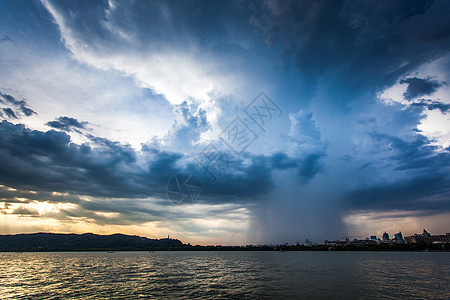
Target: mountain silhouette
(84, 242)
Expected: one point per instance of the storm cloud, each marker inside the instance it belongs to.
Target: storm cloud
(135, 93)
(17, 108)
(49, 161)
(67, 124)
(418, 87)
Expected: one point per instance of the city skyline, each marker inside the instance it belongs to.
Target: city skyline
(43, 241)
(246, 122)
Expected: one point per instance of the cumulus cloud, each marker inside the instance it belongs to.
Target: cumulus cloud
(187, 127)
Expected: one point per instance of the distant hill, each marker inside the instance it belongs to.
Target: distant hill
(85, 242)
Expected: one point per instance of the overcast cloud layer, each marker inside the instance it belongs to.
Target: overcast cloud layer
(103, 102)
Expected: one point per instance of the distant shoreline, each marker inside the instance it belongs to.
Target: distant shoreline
(204, 250)
(88, 242)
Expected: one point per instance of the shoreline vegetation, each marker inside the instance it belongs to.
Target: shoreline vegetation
(55, 242)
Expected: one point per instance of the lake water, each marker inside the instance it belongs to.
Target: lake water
(225, 275)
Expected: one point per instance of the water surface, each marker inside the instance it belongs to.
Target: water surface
(225, 275)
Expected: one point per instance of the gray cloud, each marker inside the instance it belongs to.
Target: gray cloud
(432, 105)
(309, 148)
(49, 161)
(19, 107)
(386, 40)
(10, 113)
(425, 187)
(22, 210)
(67, 124)
(199, 55)
(158, 24)
(427, 195)
(338, 55)
(418, 87)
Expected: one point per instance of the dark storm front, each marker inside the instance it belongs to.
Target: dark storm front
(224, 275)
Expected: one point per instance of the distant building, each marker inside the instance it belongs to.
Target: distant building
(428, 238)
(398, 238)
(308, 243)
(425, 233)
(367, 241)
(373, 238)
(335, 243)
(385, 238)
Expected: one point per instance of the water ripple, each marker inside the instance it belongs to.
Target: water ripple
(224, 275)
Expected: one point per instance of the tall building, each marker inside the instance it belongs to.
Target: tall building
(398, 237)
(385, 238)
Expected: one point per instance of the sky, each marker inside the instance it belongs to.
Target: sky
(225, 122)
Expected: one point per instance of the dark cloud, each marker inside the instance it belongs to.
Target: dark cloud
(158, 23)
(67, 124)
(8, 98)
(415, 155)
(22, 210)
(343, 51)
(310, 166)
(421, 182)
(281, 161)
(10, 113)
(10, 195)
(129, 211)
(418, 87)
(427, 194)
(243, 181)
(119, 211)
(20, 106)
(432, 105)
(49, 161)
(27, 111)
(354, 47)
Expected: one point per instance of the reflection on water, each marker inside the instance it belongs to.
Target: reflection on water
(224, 275)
